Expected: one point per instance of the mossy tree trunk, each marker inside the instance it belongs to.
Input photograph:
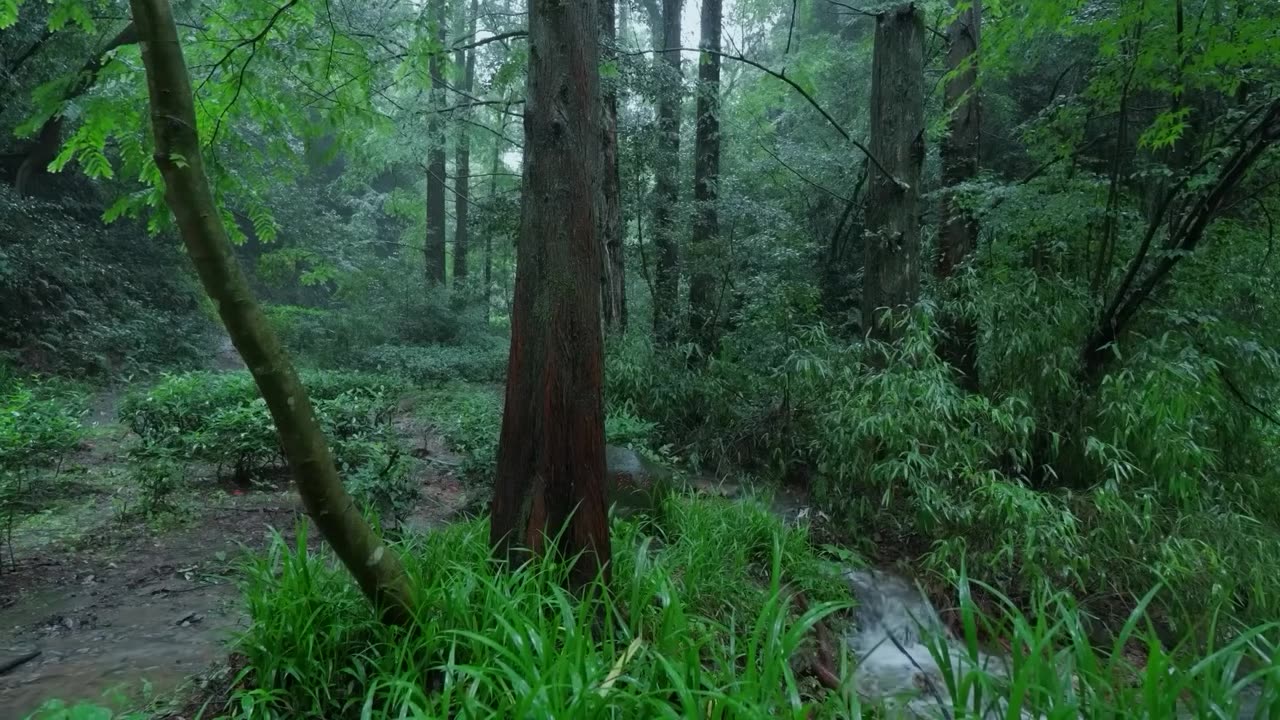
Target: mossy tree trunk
(187, 192)
(958, 234)
(891, 278)
(549, 488)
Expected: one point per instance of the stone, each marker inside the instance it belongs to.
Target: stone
(634, 484)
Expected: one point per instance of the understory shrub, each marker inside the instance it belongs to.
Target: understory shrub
(469, 418)
(81, 297)
(39, 426)
(220, 419)
(483, 360)
(1036, 485)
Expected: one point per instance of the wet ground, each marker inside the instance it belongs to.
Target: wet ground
(98, 608)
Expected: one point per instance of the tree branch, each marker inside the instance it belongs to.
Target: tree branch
(803, 93)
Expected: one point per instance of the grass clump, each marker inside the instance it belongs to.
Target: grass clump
(687, 631)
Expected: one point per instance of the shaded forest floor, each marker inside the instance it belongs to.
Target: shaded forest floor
(126, 609)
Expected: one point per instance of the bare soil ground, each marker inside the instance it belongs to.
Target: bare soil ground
(127, 610)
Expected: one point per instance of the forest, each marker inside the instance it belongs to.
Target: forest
(639, 359)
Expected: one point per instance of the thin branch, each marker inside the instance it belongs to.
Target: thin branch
(248, 41)
(803, 93)
(491, 39)
(858, 11)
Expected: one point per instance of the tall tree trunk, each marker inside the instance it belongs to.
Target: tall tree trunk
(48, 139)
(435, 240)
(462, 160)
(891, 280)
(958, 235)
(667, 185)
(706, 177)
(486, 296)
(613, 278)
(549, 488)
(187, 192)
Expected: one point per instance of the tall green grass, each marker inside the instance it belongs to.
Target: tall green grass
(699, 623)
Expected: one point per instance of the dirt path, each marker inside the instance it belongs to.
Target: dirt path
(124, 608)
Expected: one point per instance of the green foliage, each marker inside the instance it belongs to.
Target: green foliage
(662, 641)
(39, 423)
(478, 362)
(220, 419)
(81, 298)
(469, 418)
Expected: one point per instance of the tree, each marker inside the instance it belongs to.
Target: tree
(435, 240)
(613, 277)
(706, 177)
(549, 486)
(958, 230)
(462, 161)
(891, 280)
(667, 184)
(188, 194)
(48, 138)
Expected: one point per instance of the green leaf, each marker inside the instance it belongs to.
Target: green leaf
(8, 13)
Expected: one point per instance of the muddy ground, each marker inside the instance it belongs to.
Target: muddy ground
(132, 611)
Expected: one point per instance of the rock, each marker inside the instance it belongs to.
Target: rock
(633, 483)
(894, 627)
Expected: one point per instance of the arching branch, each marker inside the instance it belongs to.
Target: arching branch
(795, 86)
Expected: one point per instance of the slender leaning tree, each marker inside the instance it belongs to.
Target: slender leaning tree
(187, 192)
(549, 491)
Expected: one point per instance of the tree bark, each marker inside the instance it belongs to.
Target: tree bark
(891, 280)
(958, 235)
(549, 486)
(462, 160)
(706, 178)
(435, 240)
(613, 277)
(667, 185)
(187, 192)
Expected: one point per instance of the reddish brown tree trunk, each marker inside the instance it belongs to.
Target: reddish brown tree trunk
(549, 489)
(958, 235)
(435, 239)
(667, 183)
(891, 279)
(706, 178)
(613, 279)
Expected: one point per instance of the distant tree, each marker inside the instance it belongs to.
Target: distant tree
(549, 491)
(613, 277)
(465, 59)
(190, 197)
(435, 240)
(891, 280)
(958, 233)
(667, 171)
(706, 179)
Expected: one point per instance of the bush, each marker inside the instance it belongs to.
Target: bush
(488, 643)
(1030, 490)
(219, 418)
(479, 362)
(469, 418)
(80, 297)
